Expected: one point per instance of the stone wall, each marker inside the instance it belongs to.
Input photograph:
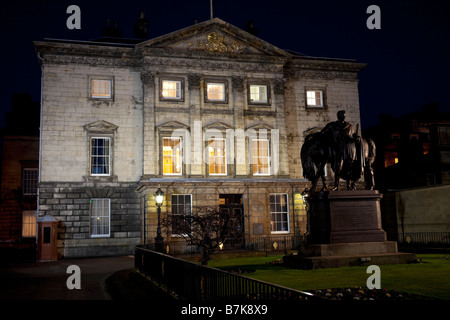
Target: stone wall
(255, 204)
(67, 110)
(69, 203)
(423, 209)
(340, 94)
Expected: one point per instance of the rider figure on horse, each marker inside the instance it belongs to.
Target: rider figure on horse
(345, 144)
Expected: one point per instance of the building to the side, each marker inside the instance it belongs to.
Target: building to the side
(412, 150)
(211, 114)
(19, 179)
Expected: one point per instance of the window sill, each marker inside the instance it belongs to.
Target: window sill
(101, 178)
(316, 108)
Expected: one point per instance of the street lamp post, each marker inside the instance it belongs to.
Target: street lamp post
(159, 198)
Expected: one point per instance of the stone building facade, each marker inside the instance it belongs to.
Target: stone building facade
(211, 114)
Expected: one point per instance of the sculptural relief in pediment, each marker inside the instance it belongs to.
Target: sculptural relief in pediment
(214, 41)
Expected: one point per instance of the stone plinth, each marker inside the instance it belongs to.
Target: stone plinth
(355, 216)
(345, 249)
(318, 218)
(317, 256)
(345, 230)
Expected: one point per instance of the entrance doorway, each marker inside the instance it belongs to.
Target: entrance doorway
(235, 204)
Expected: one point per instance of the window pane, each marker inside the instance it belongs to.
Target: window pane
(172, 156)
(30, 181)
(171, 89)
(216, 91)
(258, 93)
(318, 98)
(181, 208)
(100, 88)
(99, 217)
(29, 224)
(279, 213)
(314, 98)
(216, 156)
(260, 156)
(100, 156)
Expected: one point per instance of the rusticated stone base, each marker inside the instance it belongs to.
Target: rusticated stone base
(69, 203)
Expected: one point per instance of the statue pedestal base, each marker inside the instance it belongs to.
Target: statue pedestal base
(345, 230)
(317, 256)
(355, 216)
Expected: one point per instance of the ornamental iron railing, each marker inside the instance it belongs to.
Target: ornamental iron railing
(191, 281)
(424, 239)
(268, 245)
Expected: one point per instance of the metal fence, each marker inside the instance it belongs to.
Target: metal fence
(192, 281)
(285, 244)
(424, 239)
(268, 245)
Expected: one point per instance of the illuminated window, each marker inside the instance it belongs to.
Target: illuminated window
(28, 224)
(216, 157)
(181, 210)
(101, 89)
(390, 158)
(172, 156)
(260, 157)
(171, 90)
(258, 94)
(30, 181)
(279, 213)
(215, 92)
(314, 98)
(100, 217)
(100, 156)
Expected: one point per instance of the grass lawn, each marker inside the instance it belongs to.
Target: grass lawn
(430, 278)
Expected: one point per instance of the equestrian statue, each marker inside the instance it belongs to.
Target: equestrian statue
(339, 144)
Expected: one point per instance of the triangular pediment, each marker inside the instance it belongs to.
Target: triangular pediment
(260, 126)
(214, 36)
(100, 126)
(218, 126)
(173, 125)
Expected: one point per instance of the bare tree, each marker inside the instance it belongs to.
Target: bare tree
(207, 228)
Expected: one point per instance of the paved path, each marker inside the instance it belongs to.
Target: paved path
(47, 280)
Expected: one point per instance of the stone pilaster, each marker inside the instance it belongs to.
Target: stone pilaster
(279, 148)
(194, 163)
(241, 155)
(148, 89)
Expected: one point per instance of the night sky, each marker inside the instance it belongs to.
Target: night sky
(408, 58)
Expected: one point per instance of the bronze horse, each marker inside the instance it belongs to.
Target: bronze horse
(317, 151)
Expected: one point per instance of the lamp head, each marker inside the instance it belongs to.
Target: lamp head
(159, 197)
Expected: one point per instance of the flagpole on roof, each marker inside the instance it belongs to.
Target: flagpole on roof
(211, 8)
